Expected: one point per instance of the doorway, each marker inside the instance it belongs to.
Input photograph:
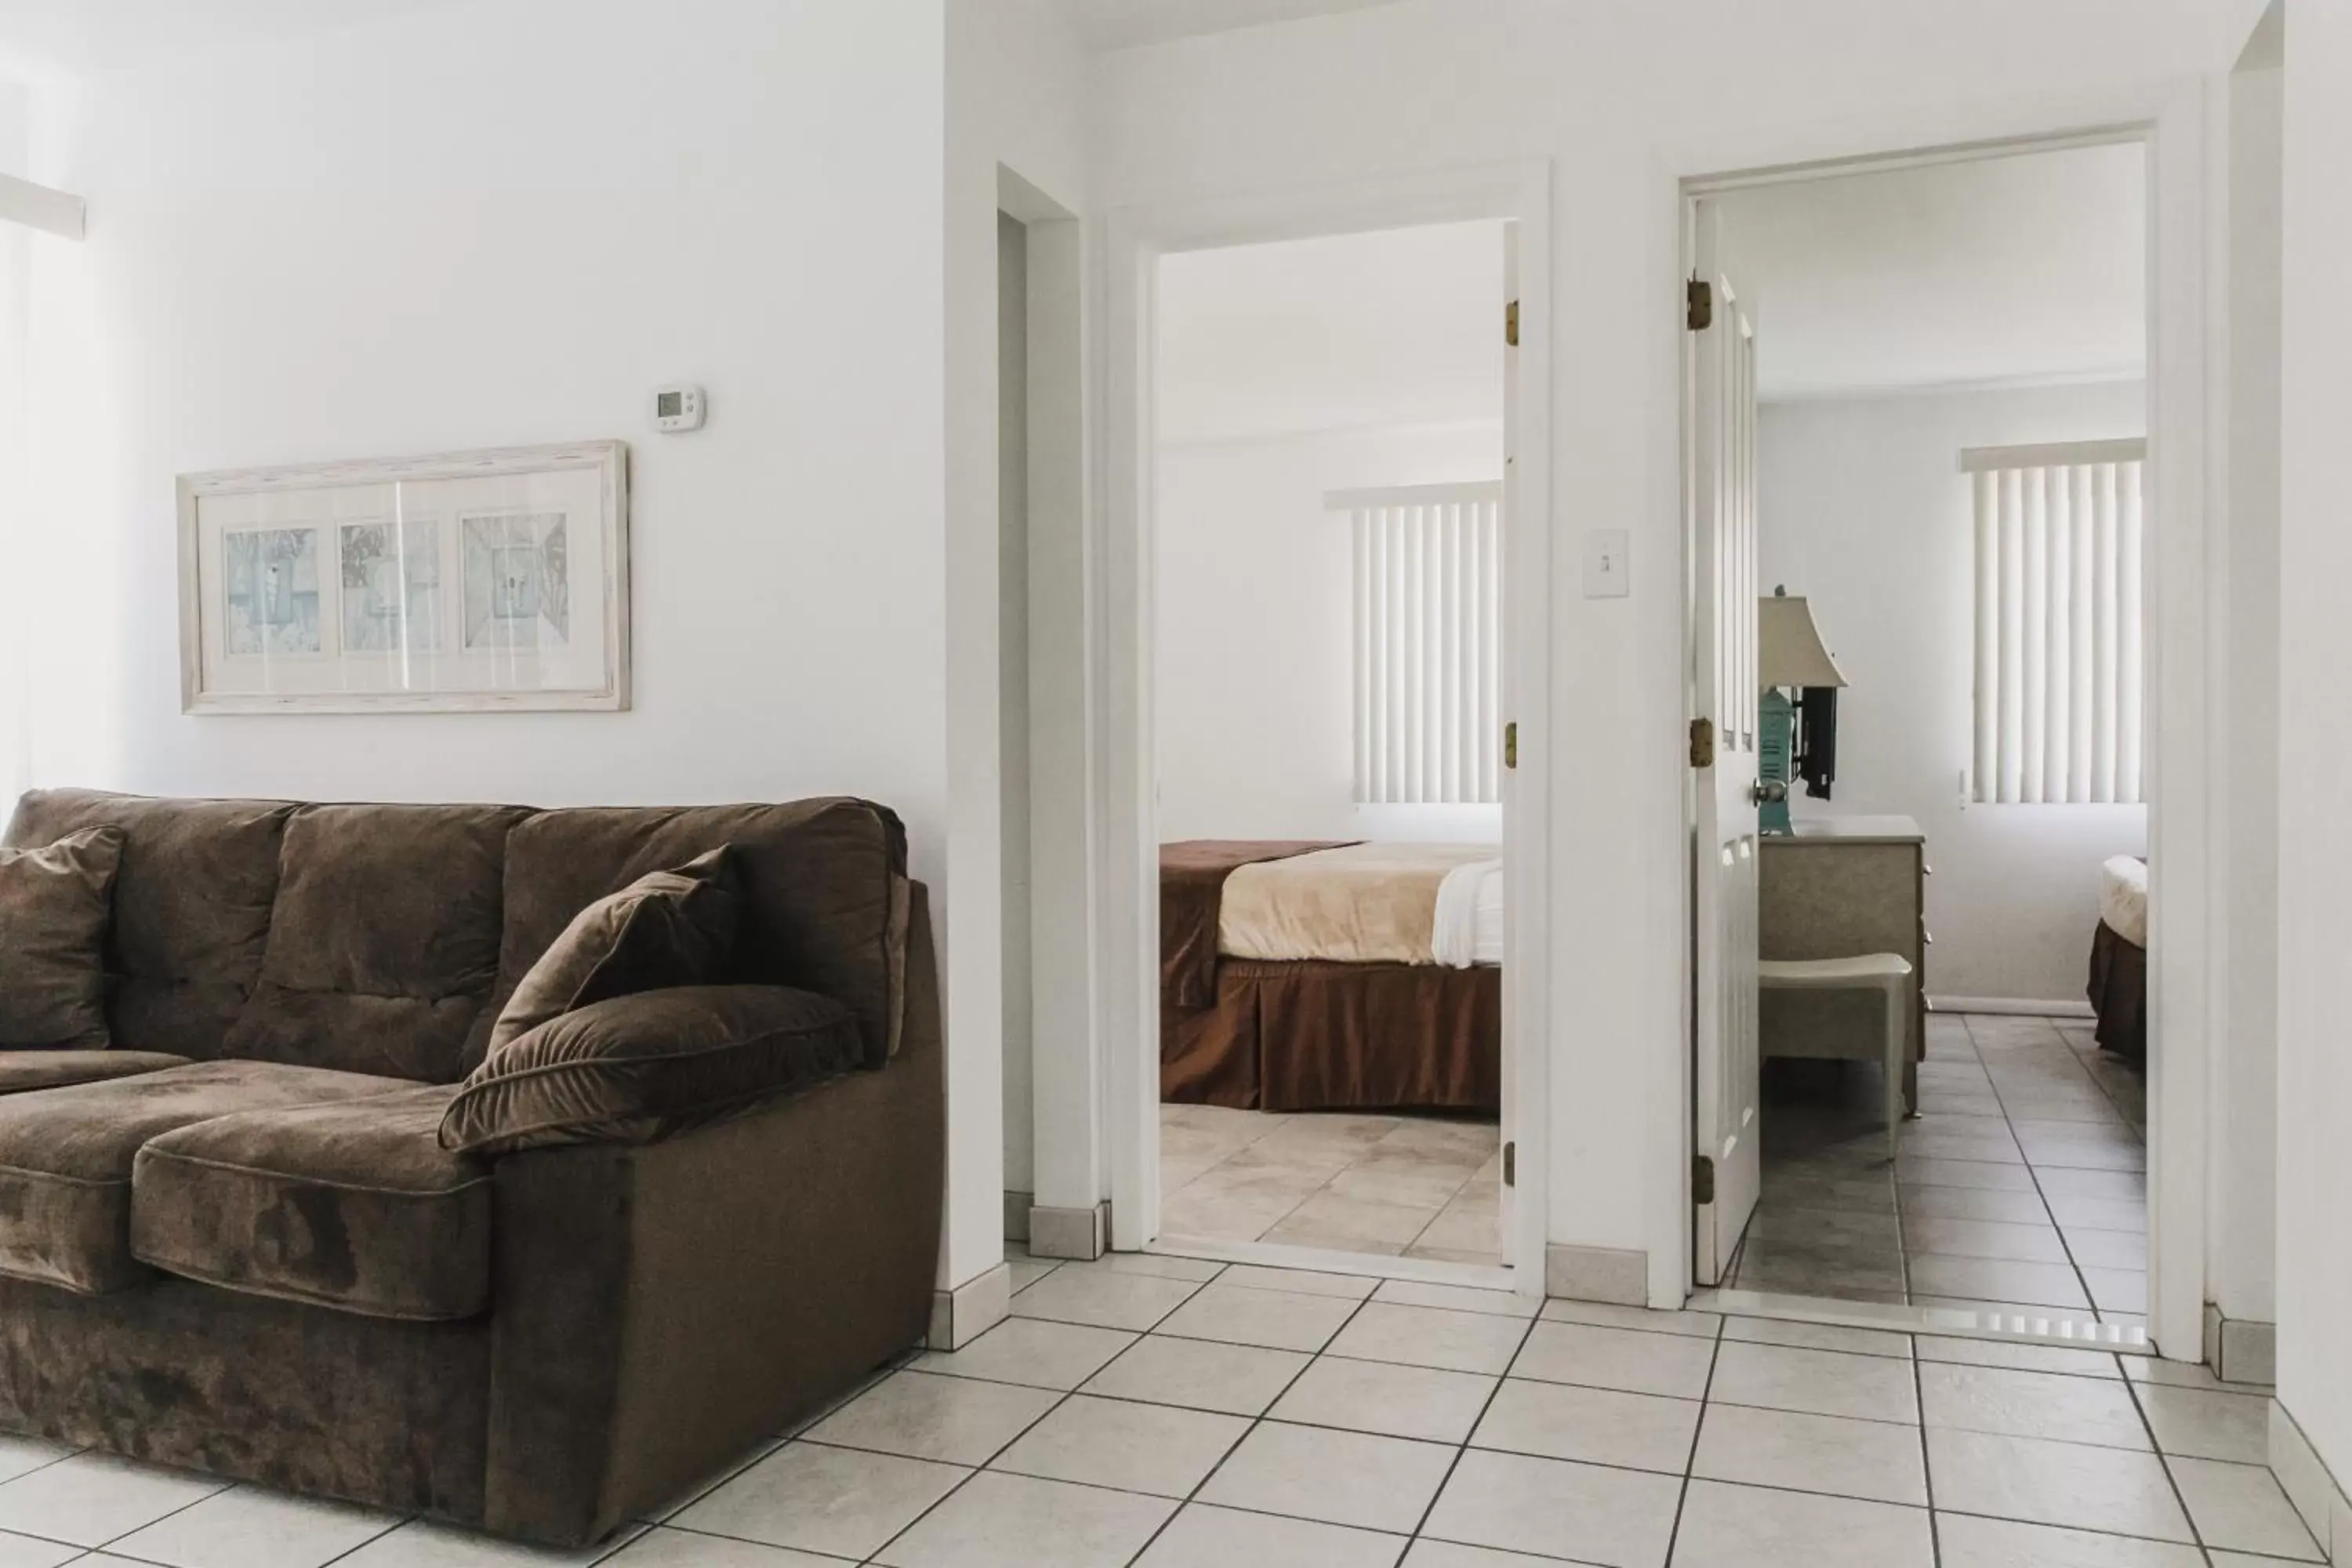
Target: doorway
(1948, 476)
(1292, 1087)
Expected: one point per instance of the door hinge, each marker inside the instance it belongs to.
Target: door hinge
(1702, 742)
(1702, 1179)
(1511, 1163)
(1511, 323)
(1698, 304)
(1511, 744)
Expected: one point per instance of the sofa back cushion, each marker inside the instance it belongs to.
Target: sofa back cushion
(384, 941)
(824, 884)
(192, 902)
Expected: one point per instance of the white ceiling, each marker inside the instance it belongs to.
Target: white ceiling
(87, 37)
(2010, 269)
(1128, 24)
(1404, 327)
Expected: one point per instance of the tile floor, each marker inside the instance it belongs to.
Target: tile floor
(1172, 1414)
(2022, 1183)
(1399, 1185)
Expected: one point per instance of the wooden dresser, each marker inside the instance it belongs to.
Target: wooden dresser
(1835, 887)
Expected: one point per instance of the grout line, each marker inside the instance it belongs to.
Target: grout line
(1927, 1465)
(1526, 1331)
(1705, 1400)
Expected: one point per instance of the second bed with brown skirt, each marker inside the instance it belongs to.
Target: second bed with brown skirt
(1313, 975)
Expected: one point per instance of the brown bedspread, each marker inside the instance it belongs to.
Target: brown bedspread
(1192, 875)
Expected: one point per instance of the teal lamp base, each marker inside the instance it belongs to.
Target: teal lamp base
(1775, 744)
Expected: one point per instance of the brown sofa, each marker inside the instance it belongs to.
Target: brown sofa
(233, 1243)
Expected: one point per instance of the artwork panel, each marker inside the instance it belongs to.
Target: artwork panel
(391, 587)
(270, 598)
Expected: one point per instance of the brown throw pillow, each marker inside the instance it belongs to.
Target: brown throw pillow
(635, 1069)
(56, 904)
(666, 928)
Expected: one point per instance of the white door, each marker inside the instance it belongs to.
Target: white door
(1720, 435)
(1507, 1229)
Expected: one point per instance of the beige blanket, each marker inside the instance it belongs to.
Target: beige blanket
(1367, 903)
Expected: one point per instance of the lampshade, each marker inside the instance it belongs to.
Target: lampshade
(1789, 650)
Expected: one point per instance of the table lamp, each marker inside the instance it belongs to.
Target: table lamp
(1790, 658)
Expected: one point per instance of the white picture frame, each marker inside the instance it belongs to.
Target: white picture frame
(483, 582)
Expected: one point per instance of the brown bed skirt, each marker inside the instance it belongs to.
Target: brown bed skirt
(1338, 1037)
(2119, 992)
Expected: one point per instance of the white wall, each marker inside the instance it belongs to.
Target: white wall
(2314, 919)
(1864, 511)
(2242, 1085)
(1255, 697)
(1621, 100)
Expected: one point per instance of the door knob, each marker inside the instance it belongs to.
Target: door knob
(1766, 789)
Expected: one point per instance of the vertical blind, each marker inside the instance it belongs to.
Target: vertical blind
(1428, 643)
(2058, 646)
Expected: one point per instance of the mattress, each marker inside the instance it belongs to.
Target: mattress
(1368, 904)
(2123, 897)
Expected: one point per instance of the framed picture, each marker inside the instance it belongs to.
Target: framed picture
(472, 582)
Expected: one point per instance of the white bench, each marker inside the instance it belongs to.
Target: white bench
(1885, 972)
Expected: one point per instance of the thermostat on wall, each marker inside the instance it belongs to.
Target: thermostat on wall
(677, 407)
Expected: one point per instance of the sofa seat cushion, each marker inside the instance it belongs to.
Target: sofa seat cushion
(353, 1205)
(23, 1070)
(66, 1158)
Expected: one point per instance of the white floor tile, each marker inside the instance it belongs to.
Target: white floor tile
(1027, 1271)
(1998, 1280)
(2240, 1508)
(2041, 1482)
(1601, 1314)
(1821, 1383)
(1427, 1553)
(2208, 1424)
(1870, 1459)
(1430, 1336)
(1339, 1478)
(2117, 1186)
(2018, 1353)
(1973, 1203)
(1749, 1526)
(1819, 1337)
(2106, 1248)
(1155, 1449)
(1240, 1380)
(1300, 1281)
(838, 1502)
(92, 1499)
(1013, 1521)
(23, 1552)
(1597, 1425)
(1970, 1543)
(1984, 1238)
(2116, 1289)
(678, 1549)
(1033, 1350)
(1995, 1176)
(1625, 1359)
(1205, 1537)
(922, 1415)
(247, 1527)
(1167, 1266)
(1274, 1320)
(2030, 1404)
(1555, 1508)
(1395, 1401)
(2125, 1216)
(22, 1456)
(1103, 1299)
(1456, 1297)
(429, 1545)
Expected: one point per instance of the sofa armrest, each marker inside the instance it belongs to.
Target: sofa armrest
(659, 1309)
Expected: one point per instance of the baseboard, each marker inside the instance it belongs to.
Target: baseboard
(2240, 1349)
(2316, 1493)
(1016, 1215)
(1610, 1274)
(2020, 1006)
(961, 1315)
(1079, 1234)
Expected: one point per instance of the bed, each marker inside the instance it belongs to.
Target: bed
(2118, 988)
(1331, 975)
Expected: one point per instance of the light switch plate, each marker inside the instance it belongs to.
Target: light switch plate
(1605, 574)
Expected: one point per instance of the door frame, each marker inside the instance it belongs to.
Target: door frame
(1127, 872)
(2188, 915)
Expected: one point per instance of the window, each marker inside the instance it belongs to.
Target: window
(1428, 643)
(2058, 688)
